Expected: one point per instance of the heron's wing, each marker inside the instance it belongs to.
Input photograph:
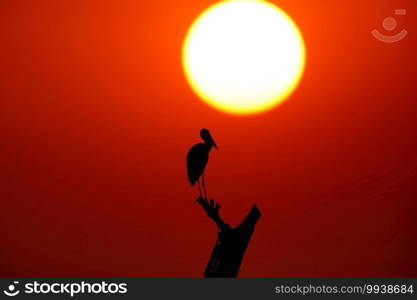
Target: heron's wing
(197, 159)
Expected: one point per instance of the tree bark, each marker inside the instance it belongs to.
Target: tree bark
(231, 244)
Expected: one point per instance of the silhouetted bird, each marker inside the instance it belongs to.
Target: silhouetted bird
(197, 159)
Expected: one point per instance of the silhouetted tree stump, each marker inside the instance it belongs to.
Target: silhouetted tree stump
(231, 244)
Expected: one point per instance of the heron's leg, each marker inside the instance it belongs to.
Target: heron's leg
(204, 188)
(199, 188)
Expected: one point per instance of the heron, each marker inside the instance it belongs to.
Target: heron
(197, 159)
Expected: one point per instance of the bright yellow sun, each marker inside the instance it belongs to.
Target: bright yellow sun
(243, 56)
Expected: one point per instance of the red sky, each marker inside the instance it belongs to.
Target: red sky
(96, 118)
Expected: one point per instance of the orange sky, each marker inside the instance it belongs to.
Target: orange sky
(96, 118)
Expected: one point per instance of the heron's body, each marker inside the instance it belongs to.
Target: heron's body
(197, 159)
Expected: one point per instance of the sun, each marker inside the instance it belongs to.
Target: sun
(243, 56)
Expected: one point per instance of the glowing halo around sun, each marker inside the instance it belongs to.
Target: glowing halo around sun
(243, 56)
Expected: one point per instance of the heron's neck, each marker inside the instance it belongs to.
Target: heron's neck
(209, 146)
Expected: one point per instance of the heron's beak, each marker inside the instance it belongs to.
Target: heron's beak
(213, 142)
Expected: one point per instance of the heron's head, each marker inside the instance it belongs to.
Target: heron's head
(206, 136)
